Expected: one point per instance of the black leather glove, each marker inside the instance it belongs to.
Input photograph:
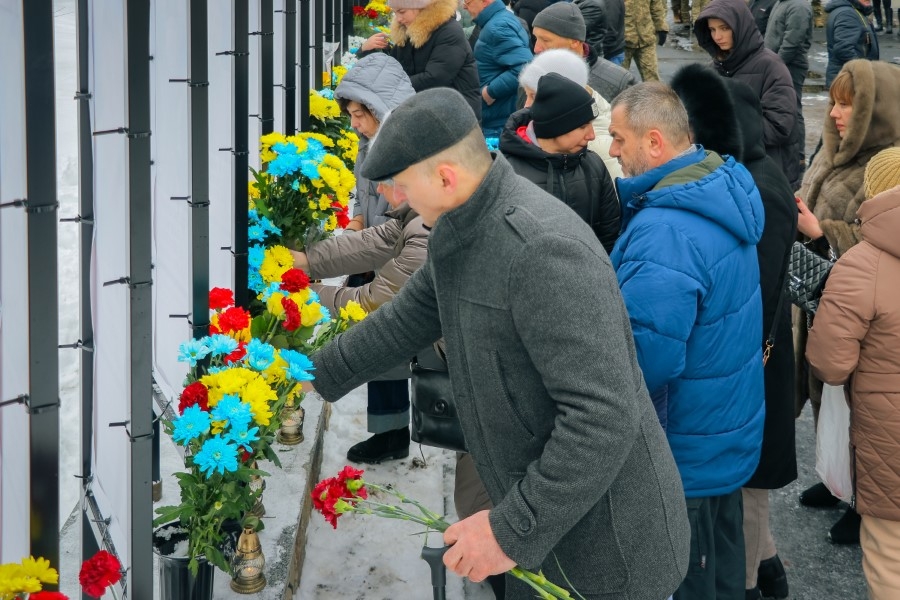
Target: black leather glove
(661, 37)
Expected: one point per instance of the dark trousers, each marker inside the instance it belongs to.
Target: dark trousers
(888, 16)
(388, 407)
(717, 566)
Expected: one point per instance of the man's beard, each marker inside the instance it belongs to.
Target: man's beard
(638, 166)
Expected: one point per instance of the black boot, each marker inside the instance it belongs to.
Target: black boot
(846, 530)
(753, 594)
(390, 445)
(889, 22)
(771, 578)
(818, 496)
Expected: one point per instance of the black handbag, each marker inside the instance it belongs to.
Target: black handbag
(807, 272)
(435, 421)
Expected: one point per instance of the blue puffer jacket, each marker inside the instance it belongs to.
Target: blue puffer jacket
(501, 51)
(848, 35)
(686, 263)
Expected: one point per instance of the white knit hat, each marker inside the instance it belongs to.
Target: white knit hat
(563, 62)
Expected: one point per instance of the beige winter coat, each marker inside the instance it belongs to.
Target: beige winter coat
(856, 337)
(603, 140)
(394, 250)
(833, 185)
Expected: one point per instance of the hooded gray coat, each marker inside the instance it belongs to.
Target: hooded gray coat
(380, 83)
(550, 395)
(751, 62)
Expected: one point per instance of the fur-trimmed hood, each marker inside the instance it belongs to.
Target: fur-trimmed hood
(419, 31)
(875, 120)
(710, 109)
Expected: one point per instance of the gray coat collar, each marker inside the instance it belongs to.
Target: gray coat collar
(455, 228)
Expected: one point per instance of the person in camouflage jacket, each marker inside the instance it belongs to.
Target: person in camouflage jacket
(645, 27)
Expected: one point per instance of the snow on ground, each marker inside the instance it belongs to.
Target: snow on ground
(367, 557)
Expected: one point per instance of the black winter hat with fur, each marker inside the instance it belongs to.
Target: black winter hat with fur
(710, 108)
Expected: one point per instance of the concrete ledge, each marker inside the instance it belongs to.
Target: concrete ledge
(288, 511)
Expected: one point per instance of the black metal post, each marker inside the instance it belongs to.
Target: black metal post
(241, 103)
(198, 88)
(290, 66)
(89, 544)
(304, 62)
(319, 46)
(43, 319)
(140, 428)
(329, 20)
(266, 64)
(347, 24)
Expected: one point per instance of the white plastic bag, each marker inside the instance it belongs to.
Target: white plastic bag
(833, 443)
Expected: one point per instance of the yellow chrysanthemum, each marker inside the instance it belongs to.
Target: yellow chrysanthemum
(318, 183)
(262, 413)
(311, 313)
(252, 190)
(299, 141)
(338, 73)
(322, 108)
(354, 311)
(266, 154)
(331, 223)
(40, 569)
(300, 298)
(217, 427)
(276, 261)
(324, 202)
(276, 374)
(273, 304)
(323, 139)
(270, 139)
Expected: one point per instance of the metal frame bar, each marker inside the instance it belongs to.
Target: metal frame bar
(290, 66)
(89, 543)
(43, 313)
(198, 89)
(140, 573)
(266, 64)
(241, 163)
(319, 35)
(303, 23)
(347, 24)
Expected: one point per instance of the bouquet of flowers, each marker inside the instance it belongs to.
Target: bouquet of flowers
(372, 16)
(347, 492)
(227, 418)
(305, 190)
(328, 120)
(25, 580)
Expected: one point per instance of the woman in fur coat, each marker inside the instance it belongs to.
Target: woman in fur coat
(863, 119)
(430, 43)
(725, 116)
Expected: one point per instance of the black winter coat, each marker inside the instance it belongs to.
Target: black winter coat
(750, 62)
(580, 180)
(434, 52)
(604, 21)
(848, 35)
(726, 117)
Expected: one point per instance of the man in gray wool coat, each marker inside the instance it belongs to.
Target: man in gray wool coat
(543, 367)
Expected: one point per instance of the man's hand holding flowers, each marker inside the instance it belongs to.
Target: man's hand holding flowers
(474, 551)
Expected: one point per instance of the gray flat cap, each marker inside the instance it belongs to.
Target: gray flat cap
(564, 19)
(429, 122)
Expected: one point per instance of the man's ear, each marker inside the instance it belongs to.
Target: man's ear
(449, 177)
(656, 143)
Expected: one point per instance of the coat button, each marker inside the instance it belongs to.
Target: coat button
(510, 210)
(525, 525)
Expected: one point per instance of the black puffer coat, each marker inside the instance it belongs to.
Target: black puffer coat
(604, 21)
(751, 62)
(580, 180)
(726, 116)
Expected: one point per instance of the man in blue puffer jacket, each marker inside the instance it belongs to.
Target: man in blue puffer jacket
(502, 50)
(686, 263)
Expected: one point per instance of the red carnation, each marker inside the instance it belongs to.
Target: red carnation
(47, 596)
(99, 572)
(341, 213)
(358, 11)
(245, 456)
(349, 472)
(196, 393)
(238, 354)
(328, 491)
(372, 14)
(213, 330)
(220, 298)
(291, 314)
(234, 319)
(294, 280)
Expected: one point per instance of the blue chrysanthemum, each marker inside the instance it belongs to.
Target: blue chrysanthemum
(215, 370)
(255, 282)
(243, 437)
(269, 226)
(220, 345)
(326, 92)
(272, 288)
(192, 423)
(216, 454)
(191, 351)
(252, 216)
(256, 254)
(231, 409)
(260, 355)
(256, 233)
(299, 365)
(326, 315)
(313, 297)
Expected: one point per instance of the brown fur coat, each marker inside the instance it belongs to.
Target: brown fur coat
(833, 185)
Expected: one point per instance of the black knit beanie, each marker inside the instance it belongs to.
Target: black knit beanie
(560, 106)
